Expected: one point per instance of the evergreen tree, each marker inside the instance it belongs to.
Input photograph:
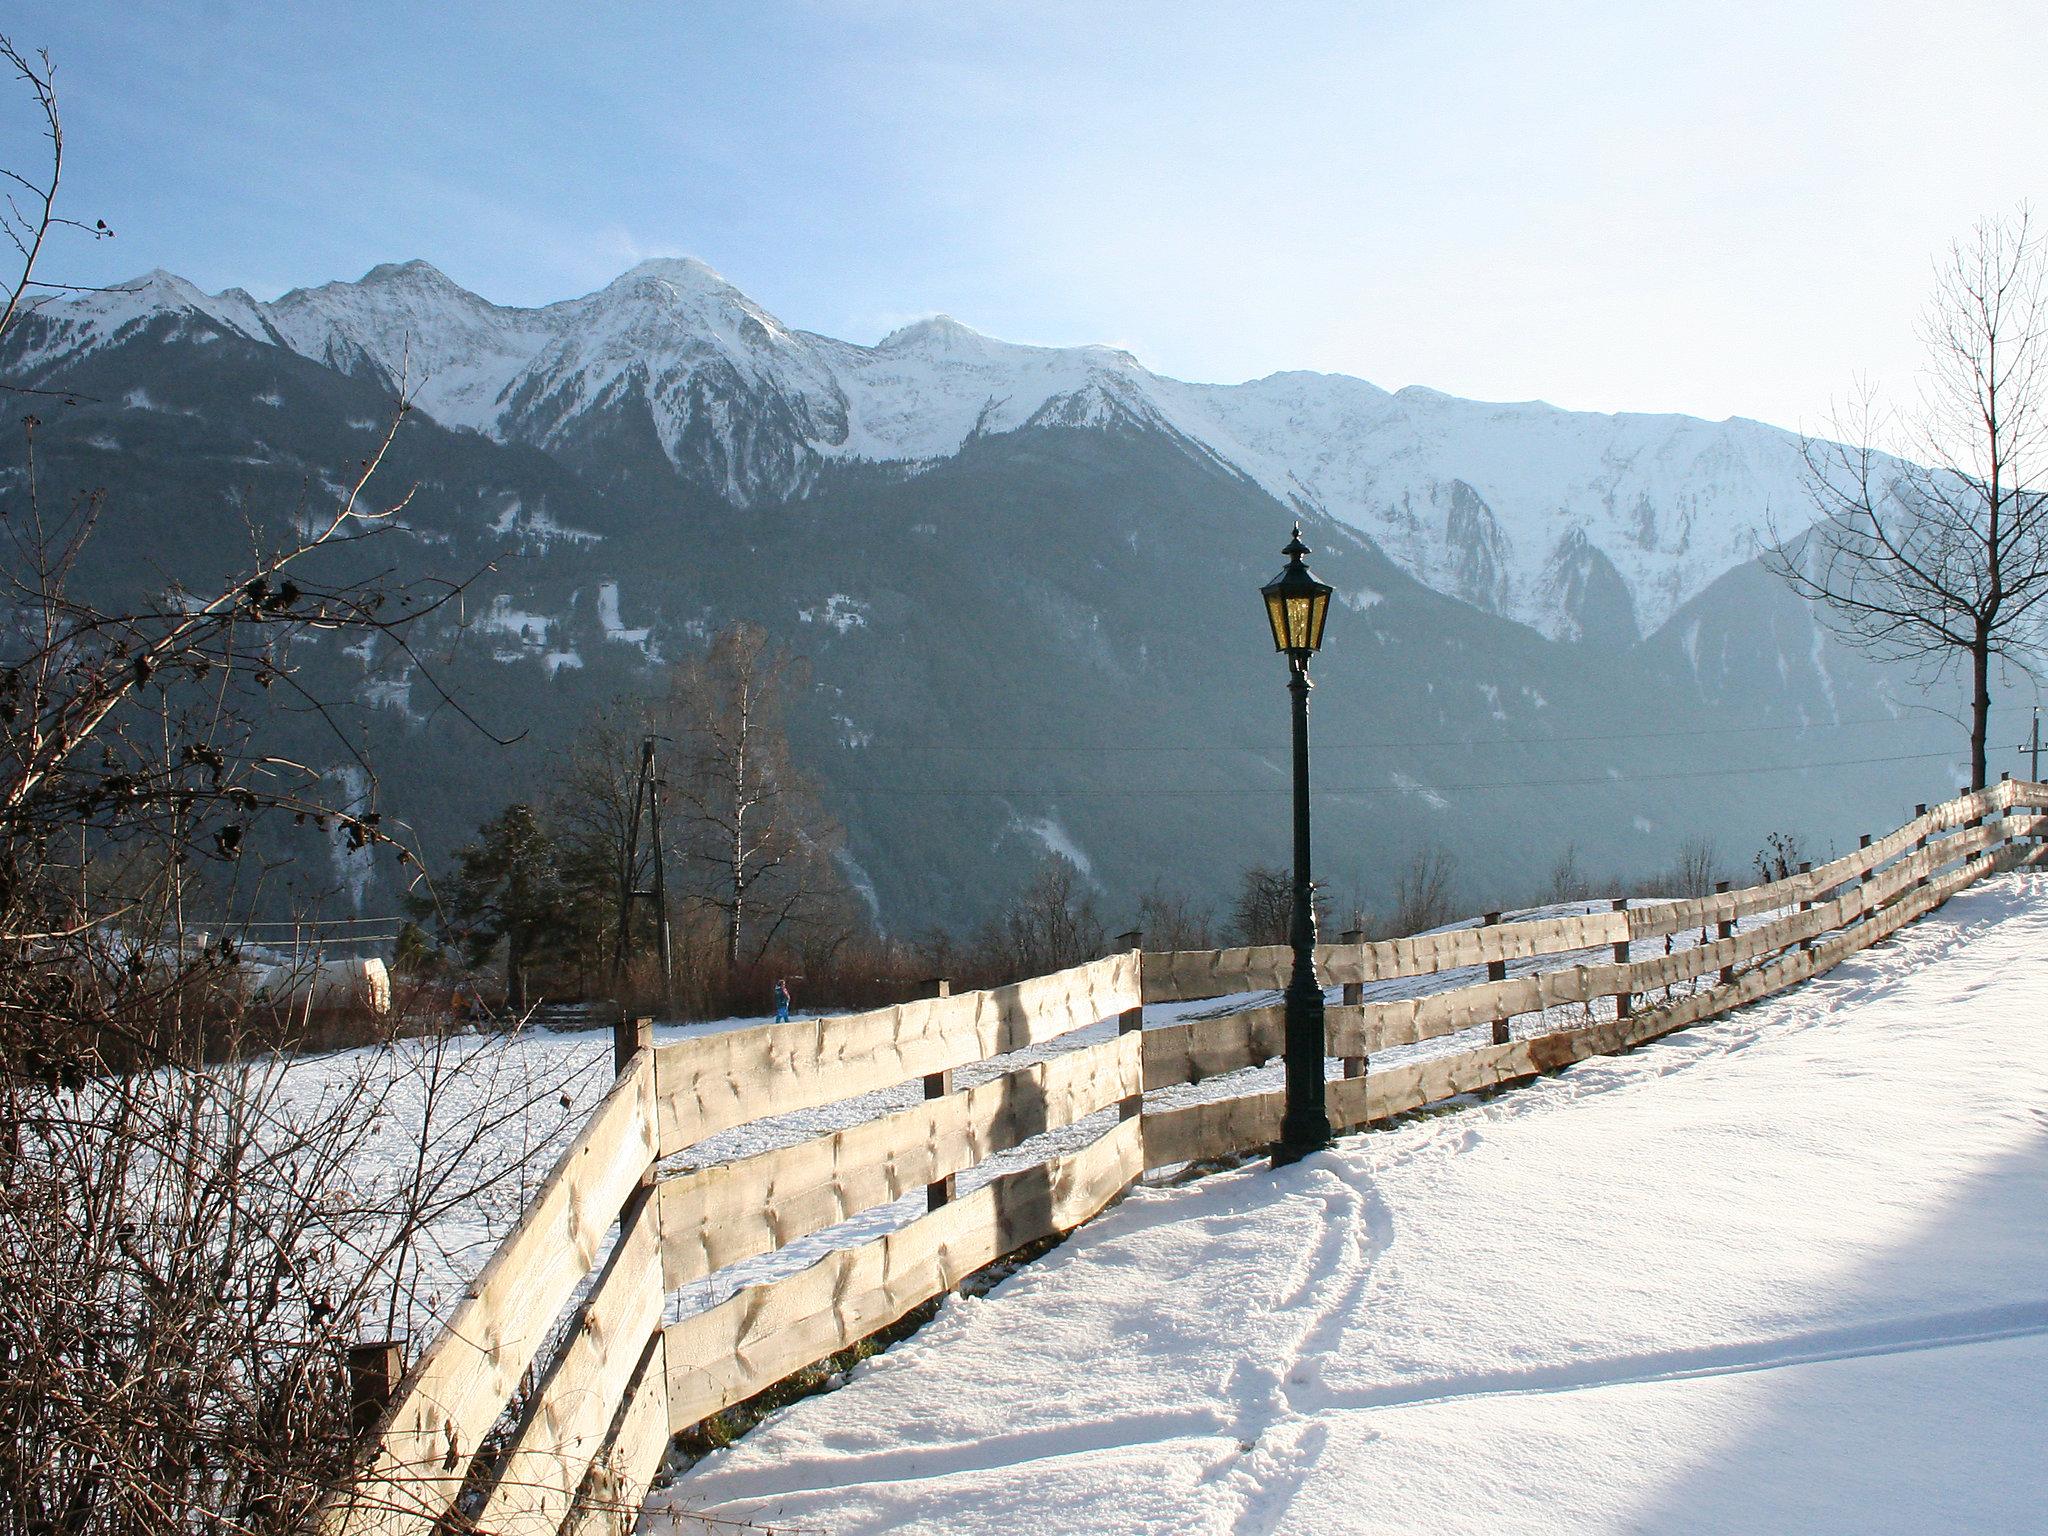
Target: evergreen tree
(507, 889)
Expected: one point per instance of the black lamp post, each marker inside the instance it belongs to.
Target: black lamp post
(1297, 604)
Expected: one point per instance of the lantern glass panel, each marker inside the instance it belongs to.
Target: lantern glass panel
(1276, 616)
(1299, 611)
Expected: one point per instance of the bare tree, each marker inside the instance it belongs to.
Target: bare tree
(1423, 891)
(1264, 905)
(1051, 924)
(1171, 920)
(1568, 880)
(591, 814)
(1931, 545)
(751, 827)
(1698, 867)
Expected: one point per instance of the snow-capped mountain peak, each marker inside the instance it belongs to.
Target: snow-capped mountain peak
(91, 320)
(934, 334)
(1567, 521)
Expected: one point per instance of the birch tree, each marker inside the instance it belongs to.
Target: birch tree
(757, 843)
(1930, 546)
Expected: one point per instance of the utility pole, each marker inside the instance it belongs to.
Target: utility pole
(2034, 748)
(647, 804)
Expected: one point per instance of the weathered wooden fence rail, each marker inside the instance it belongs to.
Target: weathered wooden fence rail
(619, 1381)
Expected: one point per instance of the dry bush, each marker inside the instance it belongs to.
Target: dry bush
(187, 1253)
(1170, 919)
(194, 1222)
(1264, 908)
(1425, 892)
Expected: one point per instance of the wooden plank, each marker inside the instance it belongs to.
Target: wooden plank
(1677, 916)
(1204, 1048)
(1178, 975)
(727, 1353)
(1216, 1129)
(1407, 1020)
(1789, 969)
(610, 1503)
(714, 1082)
(1250, 1122)
(468, 1374)
(576, 1401)
(726, 1212)
(1174, 976)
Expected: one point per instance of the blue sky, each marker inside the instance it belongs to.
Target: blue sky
(1716, 208)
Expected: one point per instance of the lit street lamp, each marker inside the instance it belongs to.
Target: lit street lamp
(1297, 604)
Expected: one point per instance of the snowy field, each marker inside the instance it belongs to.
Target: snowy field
(1784, 1271)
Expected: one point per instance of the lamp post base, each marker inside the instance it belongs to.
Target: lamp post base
(1285, 1152)
(1306, 1126)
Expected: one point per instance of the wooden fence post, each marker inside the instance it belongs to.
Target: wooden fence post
(1920, 846)
(629, 1036)
(1354, 994)
(1497, 970)
(936, 1086)
(374, 1369)
(1132, 1020)
(1725, 930)
(1624, 1002)
(1806, 904)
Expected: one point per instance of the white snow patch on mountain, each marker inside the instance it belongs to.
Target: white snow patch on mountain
(838, 612)
(354, 866)
(1435, 799)
(609, 621)
(501, 618)
(1052, 833)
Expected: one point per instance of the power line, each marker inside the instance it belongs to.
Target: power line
(1020, 793)
(330, 922)
(1376, 746)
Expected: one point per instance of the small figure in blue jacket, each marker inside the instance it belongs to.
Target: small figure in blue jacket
(781, 1000)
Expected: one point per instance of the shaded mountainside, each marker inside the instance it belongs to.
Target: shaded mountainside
(1044, 636)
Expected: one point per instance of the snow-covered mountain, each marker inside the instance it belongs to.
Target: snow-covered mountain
(1575, 523)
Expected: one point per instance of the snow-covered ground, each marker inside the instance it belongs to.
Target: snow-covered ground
(1785, 1271)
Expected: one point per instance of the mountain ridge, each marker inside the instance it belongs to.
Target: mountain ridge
(1522, 509)
(1048, 639)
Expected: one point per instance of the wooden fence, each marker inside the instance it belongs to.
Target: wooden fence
(618, 1381)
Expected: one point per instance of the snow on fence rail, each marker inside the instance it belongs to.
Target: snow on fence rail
(618, 1381)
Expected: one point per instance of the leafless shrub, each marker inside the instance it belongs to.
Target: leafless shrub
(1423, 891)
(1697, 868)
(1568, 881)
(1264, 906)
(1779, 857)
(1172, 920)
(194, 1224)
(186, 1254)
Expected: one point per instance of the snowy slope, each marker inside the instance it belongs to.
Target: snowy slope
(1780, 1272)
(1524, 510)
